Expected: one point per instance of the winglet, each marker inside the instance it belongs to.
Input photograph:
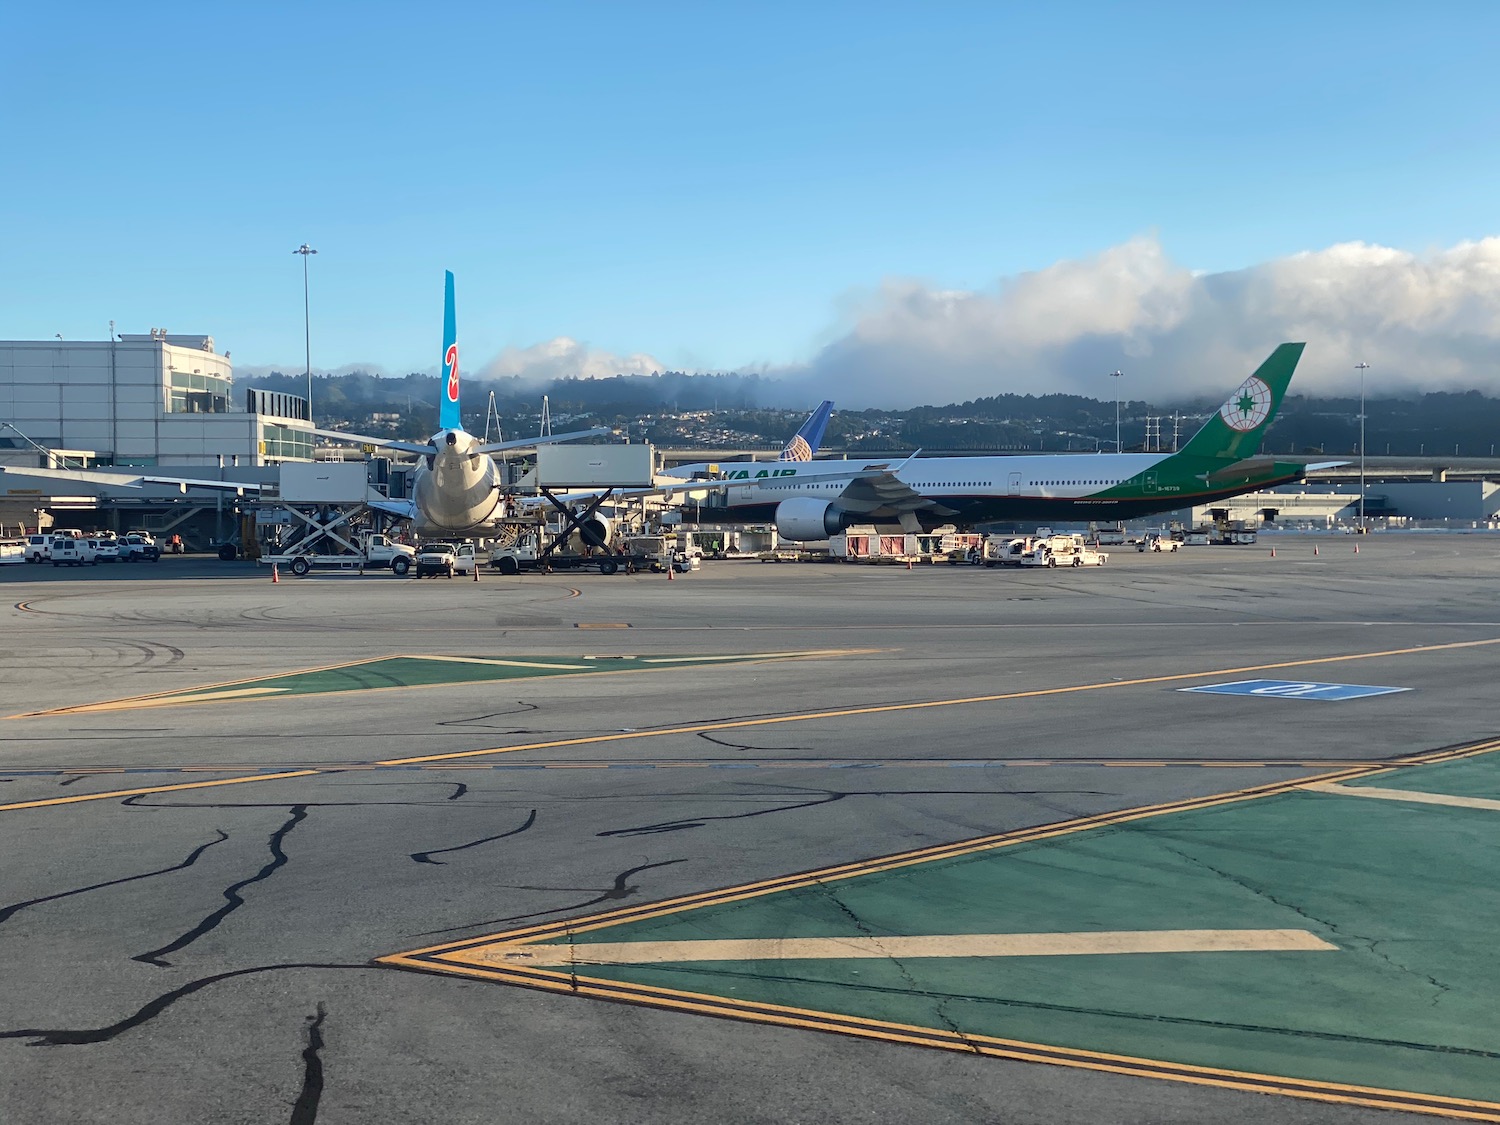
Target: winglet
(449, 417)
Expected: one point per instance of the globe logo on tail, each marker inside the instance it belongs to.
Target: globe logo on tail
(450, 361)
(797, 450)
(1248, 407)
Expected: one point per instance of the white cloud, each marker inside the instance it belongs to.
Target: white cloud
(1428, 321)
(562, 358)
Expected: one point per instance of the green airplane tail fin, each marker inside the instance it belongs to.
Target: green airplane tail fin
(1235, 432)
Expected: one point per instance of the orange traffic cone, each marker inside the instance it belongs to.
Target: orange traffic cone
(275, 578)
(1315, 548)
(1356, 548)
(908, 564)
(1273, 552)
(669, 571)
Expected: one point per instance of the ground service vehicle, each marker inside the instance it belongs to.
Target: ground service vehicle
(436, 558)
(371, 551)
(446, 559)
(72, 552)
(1157, 541)
(38, 548)
(105, 550)
(526, 554)
(137, 545)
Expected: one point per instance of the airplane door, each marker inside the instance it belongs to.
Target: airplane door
(1015, 484)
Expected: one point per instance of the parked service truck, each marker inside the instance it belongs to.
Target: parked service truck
(372, 552)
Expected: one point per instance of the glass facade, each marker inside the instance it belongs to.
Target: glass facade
(280, 442)
(196, 393)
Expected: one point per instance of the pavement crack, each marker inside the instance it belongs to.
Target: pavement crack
(829, 797)
(305, 1109)
(232, 898)
(758, 749)
(622, 888)
(940, 1001)
(79, 1037)
(7, 912)
(426, 857)
(1371, 945)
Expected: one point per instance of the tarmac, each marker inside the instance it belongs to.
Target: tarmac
(762, 843)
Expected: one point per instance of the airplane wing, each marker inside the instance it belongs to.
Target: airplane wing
(550, 439)
(402, 509)
(132, 480)
(425, 448)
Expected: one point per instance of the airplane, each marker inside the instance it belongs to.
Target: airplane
(688, 481)
(457, 486)
(1219, 461)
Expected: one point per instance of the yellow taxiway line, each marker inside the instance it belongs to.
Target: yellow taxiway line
(809, 716)
(891, 708)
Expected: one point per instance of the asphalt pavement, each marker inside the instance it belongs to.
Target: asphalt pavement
(206, 855)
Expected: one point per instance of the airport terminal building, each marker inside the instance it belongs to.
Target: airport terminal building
(141, 401)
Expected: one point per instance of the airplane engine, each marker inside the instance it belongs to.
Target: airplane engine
(807, 518)
(596, 530)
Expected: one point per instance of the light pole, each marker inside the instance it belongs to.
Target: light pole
(1361, 367)
(1115, 375)
(306, 251)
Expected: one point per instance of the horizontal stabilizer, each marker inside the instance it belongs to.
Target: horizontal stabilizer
(550, 439)
(419, 447)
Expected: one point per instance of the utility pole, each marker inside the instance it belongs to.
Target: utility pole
(1115, 375)
(1361, 367)
(306, 251)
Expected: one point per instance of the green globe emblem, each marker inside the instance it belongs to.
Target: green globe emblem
(1248, 407)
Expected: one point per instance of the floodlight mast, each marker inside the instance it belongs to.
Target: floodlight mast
(1362, 367)
(1115, 375)
(306, 251)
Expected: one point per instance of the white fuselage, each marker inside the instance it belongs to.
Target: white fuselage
(455, 489)
(1045, 476)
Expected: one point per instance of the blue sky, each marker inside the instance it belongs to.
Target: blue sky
(716, 185)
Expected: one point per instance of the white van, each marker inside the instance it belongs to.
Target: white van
(38, 548)
(74, 552)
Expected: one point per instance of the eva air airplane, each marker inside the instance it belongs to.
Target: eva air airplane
(815, 500)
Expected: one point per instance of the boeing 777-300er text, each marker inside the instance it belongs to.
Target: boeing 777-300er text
(1221, 460)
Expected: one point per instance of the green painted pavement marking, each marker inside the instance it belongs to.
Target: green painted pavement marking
(1406, 893)
(429, 671)
(1468, 777)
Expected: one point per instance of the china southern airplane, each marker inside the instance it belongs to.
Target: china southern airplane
(457, 484)
(816, 501)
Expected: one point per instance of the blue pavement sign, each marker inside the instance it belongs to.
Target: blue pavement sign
(1294, 689)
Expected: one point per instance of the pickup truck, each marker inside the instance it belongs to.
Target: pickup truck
(445, 558)
(138, 545)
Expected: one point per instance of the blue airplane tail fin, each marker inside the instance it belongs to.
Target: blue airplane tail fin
(810, 436)
(449, 417)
